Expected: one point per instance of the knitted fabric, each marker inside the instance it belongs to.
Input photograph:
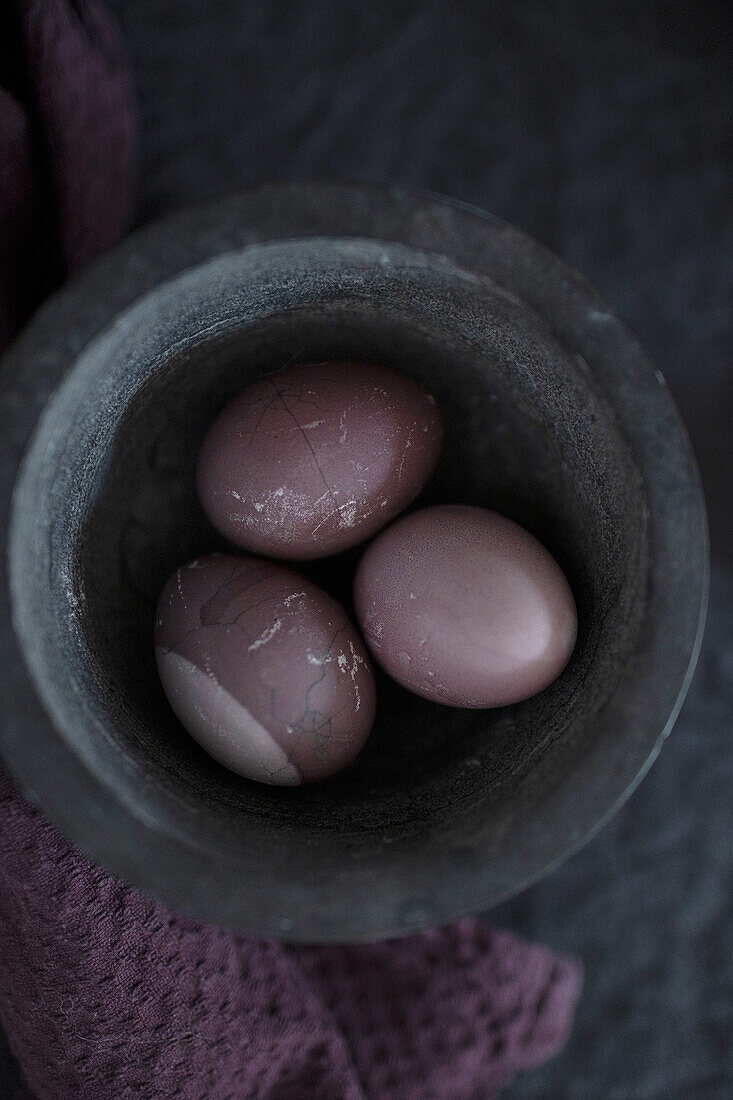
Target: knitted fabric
(104, 994)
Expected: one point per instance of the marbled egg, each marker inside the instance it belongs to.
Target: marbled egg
(263, 669)
(315, 459)
(463, 606)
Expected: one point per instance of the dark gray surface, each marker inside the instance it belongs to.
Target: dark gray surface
(605, 131)
(9, 1077)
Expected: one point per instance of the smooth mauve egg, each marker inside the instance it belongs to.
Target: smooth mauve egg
(263, 669)
(318, 457)
(463, 606)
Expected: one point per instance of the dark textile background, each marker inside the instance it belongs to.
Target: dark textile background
(605, 130)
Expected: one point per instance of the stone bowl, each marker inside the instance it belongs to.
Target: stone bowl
(554, 417)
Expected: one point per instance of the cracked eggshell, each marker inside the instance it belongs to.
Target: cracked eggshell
(263, 669)
(317, 458)
(465, 607)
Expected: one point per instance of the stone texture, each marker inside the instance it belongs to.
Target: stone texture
(553, 415)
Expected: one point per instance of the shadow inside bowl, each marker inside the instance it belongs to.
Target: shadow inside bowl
(526, 435)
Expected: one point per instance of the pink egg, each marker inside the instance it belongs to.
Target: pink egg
(263, 669)
(463, 606)
(317, 458)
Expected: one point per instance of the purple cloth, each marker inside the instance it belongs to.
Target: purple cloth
(104, 993)
(66, 148)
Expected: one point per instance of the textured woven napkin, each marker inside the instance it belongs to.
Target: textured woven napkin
(105, 995)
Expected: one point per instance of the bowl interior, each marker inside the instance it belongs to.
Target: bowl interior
(111, 472)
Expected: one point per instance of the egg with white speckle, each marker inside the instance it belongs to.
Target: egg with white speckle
(263, 669)
(317, 458)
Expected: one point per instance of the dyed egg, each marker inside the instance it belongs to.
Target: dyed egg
(263, 669)
(317, 458)
(464, 607)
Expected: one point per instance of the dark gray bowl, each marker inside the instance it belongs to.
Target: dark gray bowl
(553, 416)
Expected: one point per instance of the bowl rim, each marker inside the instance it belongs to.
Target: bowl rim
(146, 852)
